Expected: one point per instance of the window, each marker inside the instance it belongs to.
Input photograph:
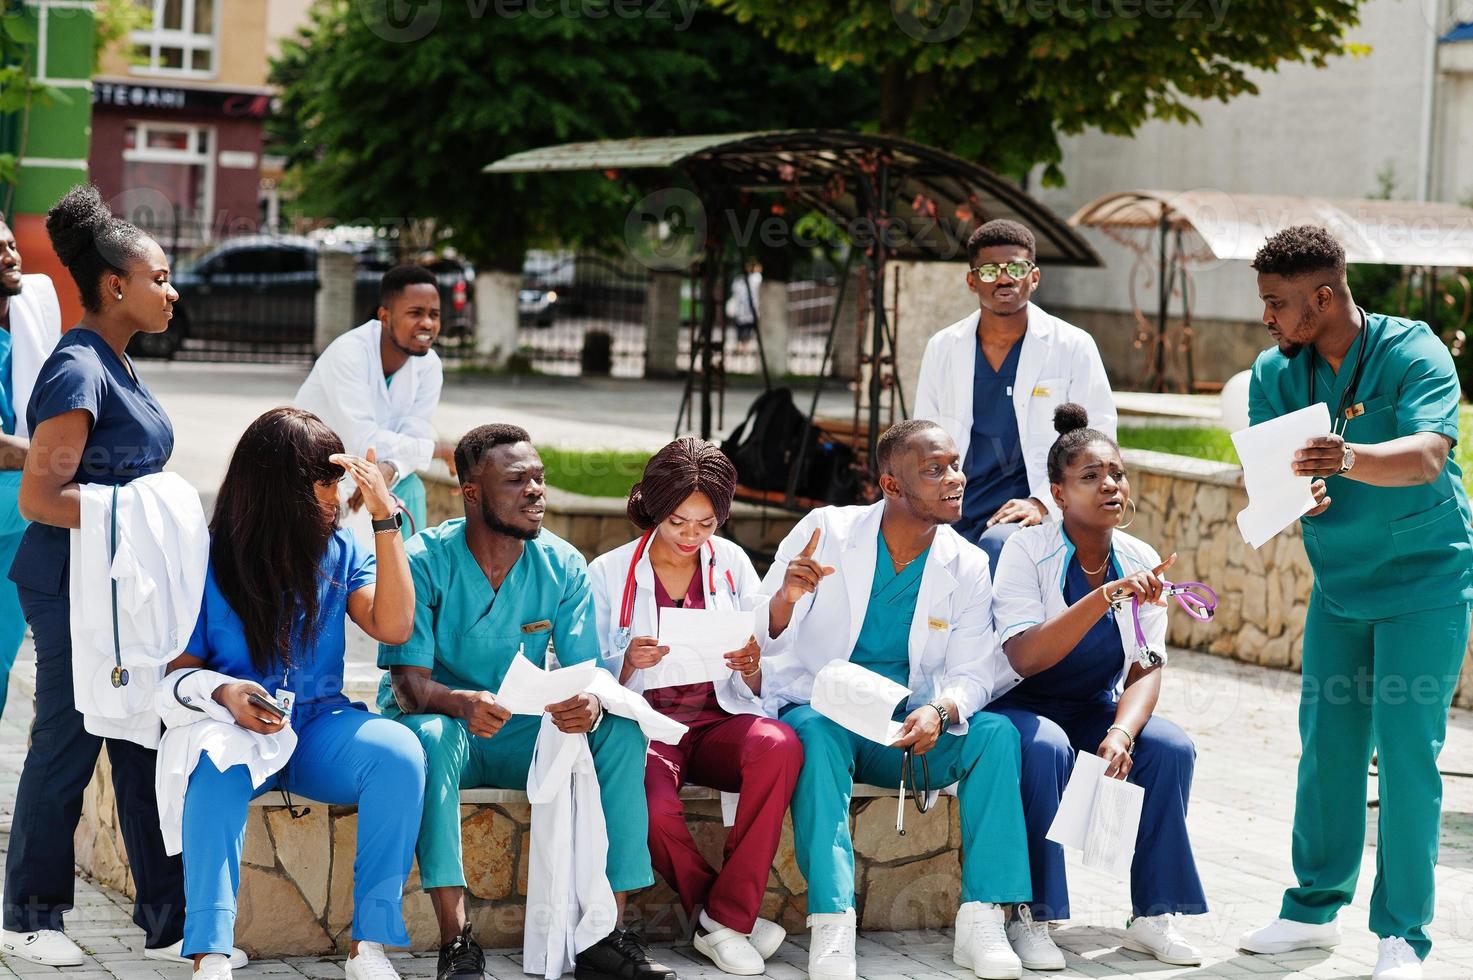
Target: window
(181, 41)
(173, 165)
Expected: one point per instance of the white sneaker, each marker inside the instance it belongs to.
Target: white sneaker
(175, 954)
(370, 964)
(831, 946)
(987, 943)
(1395, 960)
(961, 952)
(1286, 935)
(731, 951)
(1032, 942)
(1156, 936)
(213, 966)
(49, 947)
(767, 937)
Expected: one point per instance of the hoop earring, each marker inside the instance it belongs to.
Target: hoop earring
(1131, 501)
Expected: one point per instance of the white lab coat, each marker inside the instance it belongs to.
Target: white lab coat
(1058, 363)
(570, 905)
(609, 573)
(953, 651)
(35, 328)
(348, 391)
(196, 723)
(1029, 588)
(163, 548)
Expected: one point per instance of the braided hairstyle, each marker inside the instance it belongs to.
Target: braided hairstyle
(684, 467)
(1071, 422)
(92, 243)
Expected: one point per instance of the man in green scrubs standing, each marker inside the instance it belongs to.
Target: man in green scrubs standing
(1387, 625)
(488, 588)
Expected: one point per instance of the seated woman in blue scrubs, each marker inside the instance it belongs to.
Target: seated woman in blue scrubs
(1052, 607)
(277, 557)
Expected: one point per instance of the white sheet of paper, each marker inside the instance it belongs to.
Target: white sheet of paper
(1099, 816)
(699, 640)
(528, 689)
(1276, 497)
(859, 699)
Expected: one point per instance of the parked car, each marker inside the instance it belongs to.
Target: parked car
(537, 306)
(260, 290)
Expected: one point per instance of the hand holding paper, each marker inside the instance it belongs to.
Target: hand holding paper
(528, 689)
(699, 640)
(1099, 815)
(860, 700)
(1276, 497)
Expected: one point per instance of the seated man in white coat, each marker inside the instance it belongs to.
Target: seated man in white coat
(992, 382)
(891, 587)
(377, 386)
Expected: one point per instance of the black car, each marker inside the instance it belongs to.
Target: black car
(260, 292)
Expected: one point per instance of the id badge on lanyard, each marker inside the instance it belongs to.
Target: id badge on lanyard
(285, 698)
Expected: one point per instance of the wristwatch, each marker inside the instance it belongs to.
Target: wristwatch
(1346, 461)
(391, 523)
(941, 710)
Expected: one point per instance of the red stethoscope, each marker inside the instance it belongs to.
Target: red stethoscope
(626, 607)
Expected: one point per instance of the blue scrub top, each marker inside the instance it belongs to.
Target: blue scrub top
(884, 640)
(130, 437)
(316, 672)
(994, 465)
(1380, 552)
(1090, 671)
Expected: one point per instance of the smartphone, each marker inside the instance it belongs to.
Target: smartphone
(267, 703)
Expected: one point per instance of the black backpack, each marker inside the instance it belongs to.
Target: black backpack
(766, 445)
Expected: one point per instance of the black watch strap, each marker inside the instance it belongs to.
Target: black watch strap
(391, 523)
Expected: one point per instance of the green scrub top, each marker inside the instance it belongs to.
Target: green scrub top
(466, 633)
(1379, 552)
(884, 640)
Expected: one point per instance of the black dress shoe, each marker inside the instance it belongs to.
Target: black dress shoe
(461, 958)
(621, 955)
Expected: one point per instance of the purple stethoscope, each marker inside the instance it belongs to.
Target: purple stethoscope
(1196, 599)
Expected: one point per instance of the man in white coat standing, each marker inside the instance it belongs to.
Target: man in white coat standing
(30, 326)
(892, 588)
(377, 386)
(993, 379)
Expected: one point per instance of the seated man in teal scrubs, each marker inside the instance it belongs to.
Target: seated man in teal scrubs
(893, 588)
(487, 586)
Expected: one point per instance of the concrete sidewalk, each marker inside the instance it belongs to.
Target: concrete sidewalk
(1243, 720)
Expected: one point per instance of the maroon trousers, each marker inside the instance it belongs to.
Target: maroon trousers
(747, 754)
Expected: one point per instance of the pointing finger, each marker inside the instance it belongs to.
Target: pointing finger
(812, 545)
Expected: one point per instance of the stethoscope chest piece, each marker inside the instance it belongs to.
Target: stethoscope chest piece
(120, 676)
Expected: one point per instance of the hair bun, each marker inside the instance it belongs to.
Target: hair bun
(74, 221)
(1070, 416)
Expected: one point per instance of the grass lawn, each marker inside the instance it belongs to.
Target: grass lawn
(596, 473)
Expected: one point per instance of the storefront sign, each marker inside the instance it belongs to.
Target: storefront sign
(205, 101)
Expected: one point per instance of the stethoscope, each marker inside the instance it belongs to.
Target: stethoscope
(1196, 599)
(1342, 417)
(626, 606)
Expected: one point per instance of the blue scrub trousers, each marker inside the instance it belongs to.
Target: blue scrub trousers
(1386, 683)
(984, 764)
(344, 756)
(12, 618)
(1163, 875)
(993, 539)
(40, 866)
(458, 760)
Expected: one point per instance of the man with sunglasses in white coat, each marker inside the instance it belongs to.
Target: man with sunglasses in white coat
(993, 379)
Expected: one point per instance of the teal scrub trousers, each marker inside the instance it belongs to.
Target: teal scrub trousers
(411, 493)
(1388, 684)
(985, 763)
(457, 760)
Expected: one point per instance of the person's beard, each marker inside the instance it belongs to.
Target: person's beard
(11, 290)
(925, 508)
(394, 342)
(497, 525)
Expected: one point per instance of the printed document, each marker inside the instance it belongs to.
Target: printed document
(1099, 816)
(1276, 497)
(699, 640)
(528, 689)
(859, 699)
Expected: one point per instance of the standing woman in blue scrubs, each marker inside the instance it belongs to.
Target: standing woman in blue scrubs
(92, 420)
(277, 557)
(1052, 604)
(1387, 624)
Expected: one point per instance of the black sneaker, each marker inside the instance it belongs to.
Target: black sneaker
(461, 958)
(621, 955)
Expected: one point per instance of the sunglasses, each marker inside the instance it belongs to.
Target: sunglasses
(988, 271)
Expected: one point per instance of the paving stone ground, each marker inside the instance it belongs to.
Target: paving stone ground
(1243, 720)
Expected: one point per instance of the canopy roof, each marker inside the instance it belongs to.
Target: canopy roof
(1233, 226)
(938, 197)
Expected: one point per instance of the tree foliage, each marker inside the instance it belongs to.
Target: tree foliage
(998, 81)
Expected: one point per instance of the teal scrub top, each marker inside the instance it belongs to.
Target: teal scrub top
(467, 633)
(1379, 552)
(11, 523)
(884, 640)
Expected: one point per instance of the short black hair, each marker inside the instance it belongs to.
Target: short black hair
(91, 242)
(1300, 250)
(896, 438)
(400, 277)
(1001, 231)
(471, 451)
